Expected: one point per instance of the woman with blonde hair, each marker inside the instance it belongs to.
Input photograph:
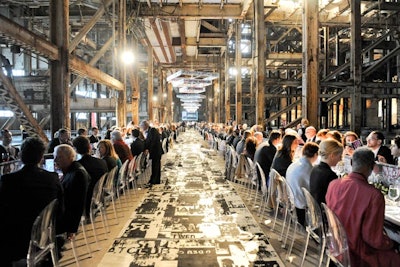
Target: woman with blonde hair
(330, 152)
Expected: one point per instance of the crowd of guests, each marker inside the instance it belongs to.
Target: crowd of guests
(82, 160)
(307, 157)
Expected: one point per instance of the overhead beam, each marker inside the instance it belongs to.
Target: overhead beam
(284, 110)
(192, 11)
(158, 36)
(89, 25)
(381, 61)
(28, 39)
(210, 42)
(83, 69)
(169, 40)
(209, 26)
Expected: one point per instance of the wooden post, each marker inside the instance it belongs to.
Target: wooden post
(227, 90)
(121, 100)
(260, 99)
(310, 82)
(356, 66)
(216, 100)
(238, 64)
(59, 75)
(150, 83)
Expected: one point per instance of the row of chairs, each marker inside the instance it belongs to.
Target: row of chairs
(324, 227)
(106, 192)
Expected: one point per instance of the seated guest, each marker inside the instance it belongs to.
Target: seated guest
(240, 144)
(334, 134)
(311, 134)
(23, 195)
(265, 152)
(347, 142)
(82, 132)
(382, 153)
(75, 183)
(284, 156)
(321, 175)
(94, 138)
(120, 147)
(63, 136)
(360, 208)
(108, 154)
(94, 166)
(321, 135)
(395, 150)
(137, 145)
(298, 176)
(250, 147)
(7, 151)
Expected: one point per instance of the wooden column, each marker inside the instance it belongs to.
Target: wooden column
(216, 101)
(161, 98)
(135, 85)
(238, 64)
(59, 75)
(260, 99)
(310, 82)
(227, 90)
(150, 83)
(356, 66)
(121, 100)
(170, 117)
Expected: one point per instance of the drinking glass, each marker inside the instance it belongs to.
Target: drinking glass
(5, 157)
(394, 192)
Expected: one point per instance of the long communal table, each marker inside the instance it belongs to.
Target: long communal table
(193, 219)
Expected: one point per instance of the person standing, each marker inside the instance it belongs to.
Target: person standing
(7, 151)
(23, 195)
(360, 207)
(152, 145)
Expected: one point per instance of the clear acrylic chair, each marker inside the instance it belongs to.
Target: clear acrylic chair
(263, 187)
(314, 225)
(109, 189)
(291, 217)
(97, 205)
(43, 236)
(336, 239)
(122, 184)
(279, 183)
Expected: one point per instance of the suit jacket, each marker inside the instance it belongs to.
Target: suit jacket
(75, 183)
(386, 153)
(94, 139)
(137, 147)
(264, 155)
(320, 177)
(23, 195)
(153, 143)
(13, 154)
(96, 168)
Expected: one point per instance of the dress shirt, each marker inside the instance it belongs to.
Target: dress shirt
(360, 207)
(298, 176)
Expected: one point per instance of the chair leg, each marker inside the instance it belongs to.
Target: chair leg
(305, 249)
(293, 238)
(86, 240)
(54, 257)
(73, 246)
(113, 205)
(276, 213)
(284, 223)
(323, 245)
(94, 229)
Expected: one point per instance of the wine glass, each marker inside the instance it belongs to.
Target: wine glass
(394, 192)
(5, 157)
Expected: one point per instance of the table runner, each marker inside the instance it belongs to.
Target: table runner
(195, 218)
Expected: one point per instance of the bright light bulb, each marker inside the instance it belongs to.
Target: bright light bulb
(127, 57)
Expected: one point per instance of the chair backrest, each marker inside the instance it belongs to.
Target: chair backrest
(43, 233)
(123, 173)
(313, 212)
(110, 185)
(264, 188)
(336, 238)
(289, 197)
(281, 188)
(97, 197)
(164, 145)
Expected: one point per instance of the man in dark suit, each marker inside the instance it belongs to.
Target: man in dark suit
(94, 166)
(75, 183)
(7, 151)
(94, 138)
(137, 146)
(382, 153)
(152, 145)
(23, 195)
(63, 136)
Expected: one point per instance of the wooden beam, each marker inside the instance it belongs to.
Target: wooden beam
(158, 36)
(192, 11)
(28, 39)
(283, 110)
(169, 40)
(209, 42)
(81, 68)
(23, 112)
(209, 26)
(181, 24)
(89, 25)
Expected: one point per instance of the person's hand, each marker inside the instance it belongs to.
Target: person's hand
(70, 236)
(381, 159)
